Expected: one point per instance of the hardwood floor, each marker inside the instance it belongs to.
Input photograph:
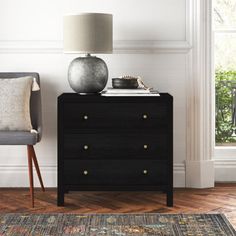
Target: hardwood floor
(221, 199)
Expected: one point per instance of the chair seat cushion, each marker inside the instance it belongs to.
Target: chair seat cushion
(18, 138)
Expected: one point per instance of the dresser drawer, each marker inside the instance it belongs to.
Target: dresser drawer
(115, 146)
(116, 115)
(115, 172)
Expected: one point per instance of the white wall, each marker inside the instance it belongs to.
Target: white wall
(150, 40)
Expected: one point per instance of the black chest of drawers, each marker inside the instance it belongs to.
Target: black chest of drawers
(115, 143)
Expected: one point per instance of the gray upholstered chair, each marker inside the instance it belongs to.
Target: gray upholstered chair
(27, 138)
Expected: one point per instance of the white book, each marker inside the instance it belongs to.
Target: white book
(129, 91)
(130, 94)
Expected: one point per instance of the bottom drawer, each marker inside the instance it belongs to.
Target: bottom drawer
(112, 173)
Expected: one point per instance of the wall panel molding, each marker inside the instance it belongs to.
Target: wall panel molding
(17, 176)
(30, 46)
(120, 46)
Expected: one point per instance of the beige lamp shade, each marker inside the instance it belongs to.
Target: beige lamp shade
(88, 33)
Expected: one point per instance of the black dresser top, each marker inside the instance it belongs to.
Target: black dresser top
(99, 98)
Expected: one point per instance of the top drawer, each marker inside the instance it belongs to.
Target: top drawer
(115, 115)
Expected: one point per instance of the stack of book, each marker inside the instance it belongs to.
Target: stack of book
(129, 92)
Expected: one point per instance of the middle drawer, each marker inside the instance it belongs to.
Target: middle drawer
(115, 146)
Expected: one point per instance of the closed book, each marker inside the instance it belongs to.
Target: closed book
(130, 91)
(130, 94)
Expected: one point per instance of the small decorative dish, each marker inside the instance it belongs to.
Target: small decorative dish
(121, 83)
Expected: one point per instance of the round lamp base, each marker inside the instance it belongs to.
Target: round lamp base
(87, 74)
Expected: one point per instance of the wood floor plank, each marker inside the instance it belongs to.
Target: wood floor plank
(221, 199)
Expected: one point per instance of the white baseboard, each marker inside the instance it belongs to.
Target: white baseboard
(179, 175)
(200, 174)
(225, 170)
(17, 176)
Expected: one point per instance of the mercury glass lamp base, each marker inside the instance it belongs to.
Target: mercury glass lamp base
(87, 74)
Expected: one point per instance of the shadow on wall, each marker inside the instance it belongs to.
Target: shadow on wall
(49, 106)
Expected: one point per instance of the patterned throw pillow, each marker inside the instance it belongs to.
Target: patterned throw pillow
(15, 104)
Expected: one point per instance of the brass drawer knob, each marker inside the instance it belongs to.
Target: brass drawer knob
(145, 116)
(86, 147)
(145, 172)
(145, 146)
(85, 172)
(85, 117)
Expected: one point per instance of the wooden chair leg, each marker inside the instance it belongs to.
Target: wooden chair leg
(31, 180)
(36, 166)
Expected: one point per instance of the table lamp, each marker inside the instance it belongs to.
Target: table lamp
(88, 33)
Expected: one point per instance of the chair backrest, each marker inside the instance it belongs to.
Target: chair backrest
(35, 99)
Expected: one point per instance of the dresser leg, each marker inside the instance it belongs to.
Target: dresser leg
(169, 198)
(60, 198)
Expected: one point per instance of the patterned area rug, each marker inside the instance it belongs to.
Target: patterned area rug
(115, 224)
